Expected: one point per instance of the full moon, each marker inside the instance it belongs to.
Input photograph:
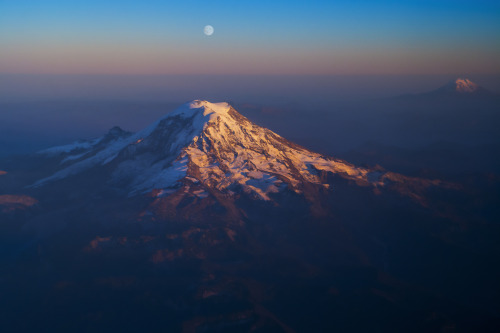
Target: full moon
(208, 30)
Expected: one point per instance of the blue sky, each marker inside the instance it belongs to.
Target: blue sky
(277, 37)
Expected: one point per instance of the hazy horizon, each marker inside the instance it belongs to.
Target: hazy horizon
(73, 70)
(43, 110)
(268, 88)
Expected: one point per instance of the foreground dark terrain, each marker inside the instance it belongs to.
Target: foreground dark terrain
(206, 222)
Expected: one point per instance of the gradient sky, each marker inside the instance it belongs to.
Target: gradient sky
(251, 37)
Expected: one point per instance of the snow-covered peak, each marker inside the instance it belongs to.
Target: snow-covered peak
(204, 107)
(462, 85)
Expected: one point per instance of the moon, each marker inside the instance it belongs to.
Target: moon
(208, 30)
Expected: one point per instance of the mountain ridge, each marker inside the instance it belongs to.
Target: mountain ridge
(206, 151)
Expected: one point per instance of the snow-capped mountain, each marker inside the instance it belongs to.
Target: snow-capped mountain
(463, 86)
(209, 150)
(459, 89)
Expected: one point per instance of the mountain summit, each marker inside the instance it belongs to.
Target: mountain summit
(463, 86)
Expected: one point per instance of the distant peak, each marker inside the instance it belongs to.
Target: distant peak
(463, 85)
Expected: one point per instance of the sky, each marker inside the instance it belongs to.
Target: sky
(345, 37)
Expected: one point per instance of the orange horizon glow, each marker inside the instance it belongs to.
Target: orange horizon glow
(101, 58)
(309, 38)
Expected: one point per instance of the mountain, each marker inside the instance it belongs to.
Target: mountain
(206, 222)
(458, 89)
(460, 111)
(462, 87)
(204, 152)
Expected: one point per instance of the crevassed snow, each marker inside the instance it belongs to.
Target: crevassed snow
(465, 85)
(212, 147)
(233, 151)
(160, 177)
